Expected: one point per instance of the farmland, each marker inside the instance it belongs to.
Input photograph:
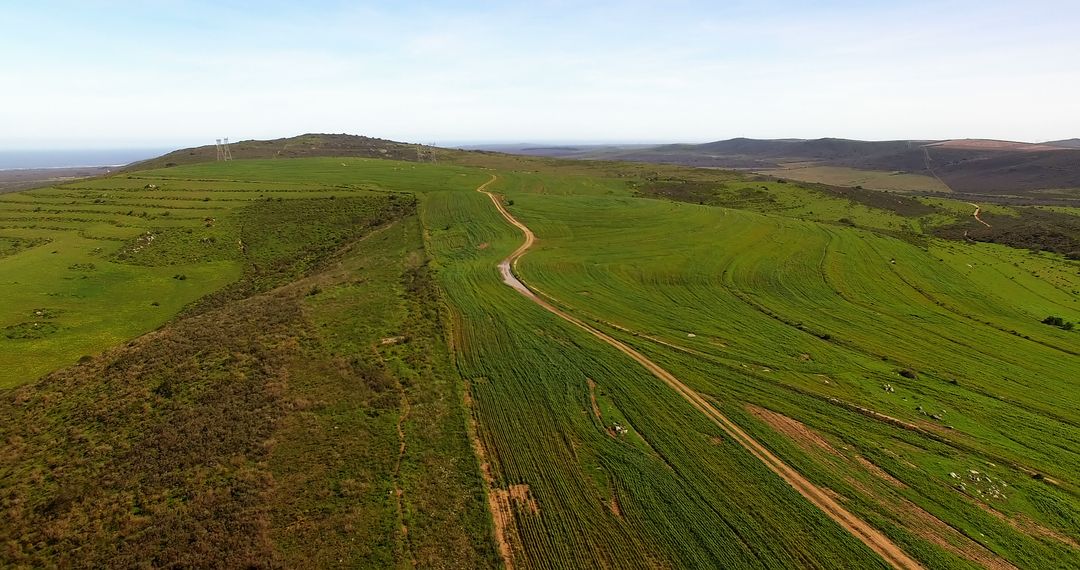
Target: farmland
(872, 179)
(350, 312)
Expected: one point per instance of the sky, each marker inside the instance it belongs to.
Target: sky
(171, 73)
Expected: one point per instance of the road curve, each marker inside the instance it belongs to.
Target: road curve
(869, 536)
(978, 210)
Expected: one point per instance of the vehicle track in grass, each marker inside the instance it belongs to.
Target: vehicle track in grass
(867, 534)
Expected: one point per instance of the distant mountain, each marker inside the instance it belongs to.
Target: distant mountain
(1067, 143)
(824, 149)
(991, 144)
(977, 166)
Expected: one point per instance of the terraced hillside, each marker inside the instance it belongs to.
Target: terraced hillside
(909, 379)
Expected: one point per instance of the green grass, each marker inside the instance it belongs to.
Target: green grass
(269, 425)
(871, 179)
(758, 296)
(105, 256)
(776, 306)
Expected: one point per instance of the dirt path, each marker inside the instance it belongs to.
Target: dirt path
(870, 536)
(926, 156)
(976, 213)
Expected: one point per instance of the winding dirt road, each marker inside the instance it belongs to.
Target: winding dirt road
(870, 536)
(976, 213)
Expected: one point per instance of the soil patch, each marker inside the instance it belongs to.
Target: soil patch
(805, 437)
(879, 472)
(1028, 526)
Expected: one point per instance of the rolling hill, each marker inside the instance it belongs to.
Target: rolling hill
(969, 166)
(1067, 143)
(307, 145)
(517, 362)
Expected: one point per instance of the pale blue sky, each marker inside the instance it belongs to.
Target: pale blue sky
(175, 72)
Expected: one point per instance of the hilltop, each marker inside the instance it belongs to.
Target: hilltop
(302, 146)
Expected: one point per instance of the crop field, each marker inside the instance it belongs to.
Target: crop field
(911, 377)
(945, 339)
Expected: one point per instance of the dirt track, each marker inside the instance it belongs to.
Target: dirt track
(978, 210)
(870, 536)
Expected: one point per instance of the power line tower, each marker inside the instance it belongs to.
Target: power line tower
(228, 153)
(220, 152)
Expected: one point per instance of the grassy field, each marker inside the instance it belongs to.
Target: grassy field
(870, 179)
(909, 375)
(305, 414)
(717, 292)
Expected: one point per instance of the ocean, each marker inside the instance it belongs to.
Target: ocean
(22, 159)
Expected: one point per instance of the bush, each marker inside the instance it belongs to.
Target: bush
(908, 373)
(1059, 322)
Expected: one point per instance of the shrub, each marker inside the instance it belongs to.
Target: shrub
(1059, 322)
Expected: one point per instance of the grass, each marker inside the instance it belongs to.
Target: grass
(336, 351)
(102, 256)
(270, 426)
(851, 308)
(869, 179)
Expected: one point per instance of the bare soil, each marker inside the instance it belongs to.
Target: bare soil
(805, 437)
(501, 516)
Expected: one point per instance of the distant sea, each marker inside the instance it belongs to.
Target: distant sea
(21, 159)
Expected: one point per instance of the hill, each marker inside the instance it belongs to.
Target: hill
(1067, 143)
(970, 166)
(23, 179)
(319, 362)
(308, 145)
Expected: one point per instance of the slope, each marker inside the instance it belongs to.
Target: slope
(305, 415)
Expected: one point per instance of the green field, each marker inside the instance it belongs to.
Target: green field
(871, 179)
(910, 376)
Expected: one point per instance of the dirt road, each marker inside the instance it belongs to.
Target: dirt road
(870, 536)
(976, 213)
